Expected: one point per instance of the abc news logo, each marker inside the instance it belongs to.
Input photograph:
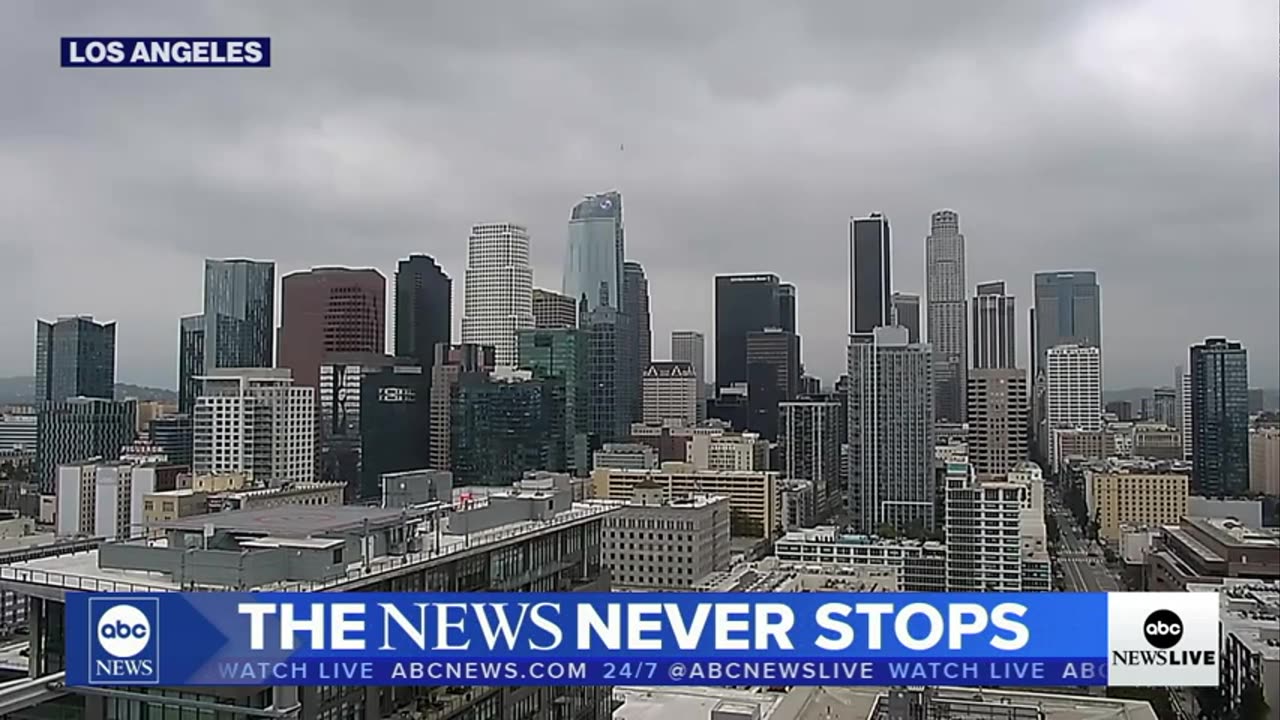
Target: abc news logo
(125, 642)
(1163, 630)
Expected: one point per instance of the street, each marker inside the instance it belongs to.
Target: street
(1083, 566)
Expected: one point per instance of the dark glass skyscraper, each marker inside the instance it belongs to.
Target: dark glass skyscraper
(869, 290)
(593, 267)
(79, 429)
(562, 353)
(190, 361)
(1219, 418)
(239, 314)
(609, 361)
(75, 357)
(773, 377)
(1068, 311)
(395, 410)
(744, 304)
(904, 311)
(423, 309)
(635, 303)
(787, 307)
(503, 428)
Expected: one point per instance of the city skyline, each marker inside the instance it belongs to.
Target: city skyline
(321, 180)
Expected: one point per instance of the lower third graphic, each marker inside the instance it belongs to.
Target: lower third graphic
(125, 647)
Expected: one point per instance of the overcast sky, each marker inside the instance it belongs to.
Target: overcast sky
(1138, 139)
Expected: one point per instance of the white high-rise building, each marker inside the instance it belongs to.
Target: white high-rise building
(257, 422)
(995, 531)
(670, 393)
(947, 314)
(498, 289)
(1073, 390)
(103, 499)
(1184, 410)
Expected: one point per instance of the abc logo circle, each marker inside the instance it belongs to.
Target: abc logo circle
(1163, 629)
(123, 631)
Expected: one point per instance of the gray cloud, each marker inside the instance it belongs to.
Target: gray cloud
(1135, 138)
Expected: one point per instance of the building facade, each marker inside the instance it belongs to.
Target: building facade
(891, 432)
(995, 334)
(635, 303)
(330, 310)
(904, 311)
(498, 300)
(690, 346)
(173, 434)
(1136, 499)
(998, 420)
(190, 361)
(562, 353)
(773, 377)
(869, 274)
(609, 363)
(239, 314)
(1264, 460)
(1073, 390)
(995, 531)
(594, 258)
(670, 392)
(257, 422)
(810, 440)
(948, 315)
(755, 497)
(78, 429)
(743, 304)
(552, 311)
(691, 542)
(502, 428)
(423, 309)
(75, 357)
(103, 499)
(452, 364)
(1219, 418)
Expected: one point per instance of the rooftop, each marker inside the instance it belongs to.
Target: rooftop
(292, 520)
(860, 703)
(80, 570)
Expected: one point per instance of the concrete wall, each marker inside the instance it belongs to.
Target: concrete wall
(227, 568)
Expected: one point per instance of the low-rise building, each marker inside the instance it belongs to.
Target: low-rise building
(1209, 551)
(1264, 460)
(103, 498)
(921, 565)
(1136, 498)
(626, 456)
(656, 543)
(799, 504)
(755, 497)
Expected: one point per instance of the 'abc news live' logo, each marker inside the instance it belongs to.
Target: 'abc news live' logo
(124, 647)
(1176, 644)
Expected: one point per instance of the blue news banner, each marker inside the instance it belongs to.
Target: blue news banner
(586, 639)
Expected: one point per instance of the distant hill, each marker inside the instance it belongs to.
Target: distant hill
(21, 391)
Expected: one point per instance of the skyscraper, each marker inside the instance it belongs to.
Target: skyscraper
(947, 315)
(257, 422)
(995, 337)
(670, 393)
(78, 429)
(593, 266)
(744, 303)
(810, 440)
(891, 432)
(635, 303)
(423, 309)
(75, 357)
(904, 311)
(869, 286)
(190, 361)
(1184, 411)
(452, 363)
(691, 346)
(609, 363)
(562, 353)
(330, 310)
(787, 307)
(239, 314)
(773, 377)
(499, 289)
(998, 415)
(1073, 391)
(1068, 311)
(1219, 418)
(551, 310)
